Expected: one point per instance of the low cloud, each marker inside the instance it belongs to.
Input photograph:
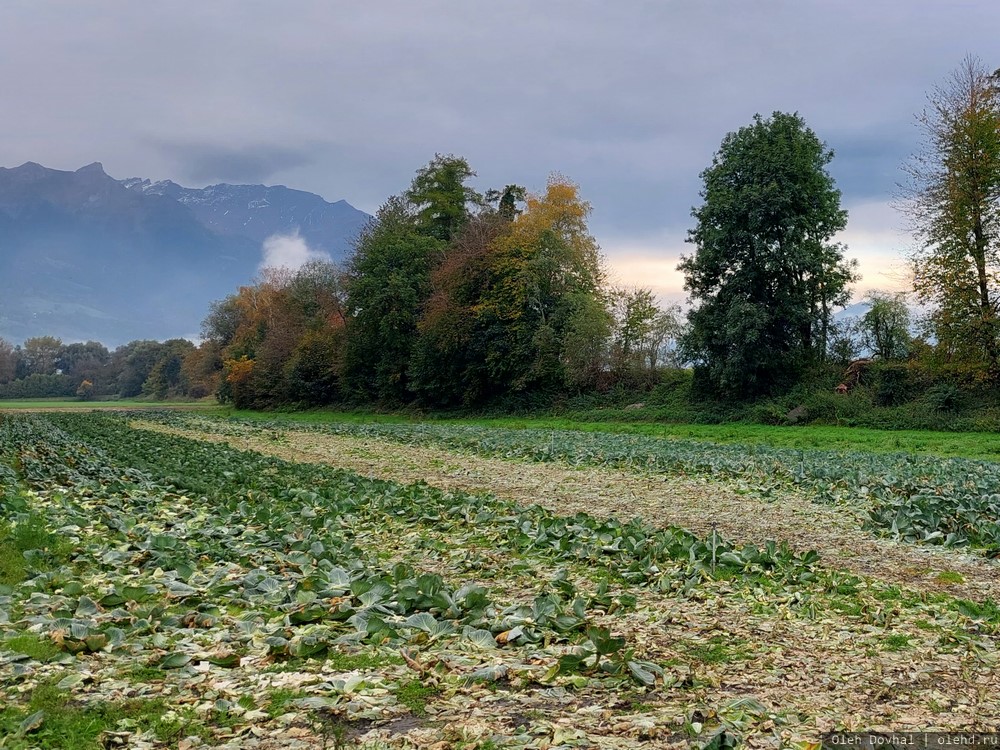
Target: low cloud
(288, 251)
(204, 163)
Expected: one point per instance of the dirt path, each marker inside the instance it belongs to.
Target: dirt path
(695, 504)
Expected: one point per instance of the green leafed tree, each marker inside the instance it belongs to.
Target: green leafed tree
(885, 328)
(87, 361)
(165, 378)
(134, 361)
(441, 198)
(765, 278)
(8, 361)
(953, 201)
(40, 355)
(644, 335)
(387, 285)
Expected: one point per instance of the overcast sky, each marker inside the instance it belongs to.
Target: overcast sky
(348, 99)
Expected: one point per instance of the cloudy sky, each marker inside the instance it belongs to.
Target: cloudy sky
(630, 99)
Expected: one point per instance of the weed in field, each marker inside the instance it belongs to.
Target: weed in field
(718, 649)
(950, 576)
(246, 702)
(53, 720)
(27, 546)
(13, 568)
(346, 662)
(896, 642)
(414, 695)
(986, 611)
(279, 698)
(29, 644)
(889, 594)
(848, 607)
(140, 674)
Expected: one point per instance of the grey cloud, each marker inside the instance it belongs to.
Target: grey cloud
(629, 99)
(203, 163)
(870, 167)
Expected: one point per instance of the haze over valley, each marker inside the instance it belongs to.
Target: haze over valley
(90, 257)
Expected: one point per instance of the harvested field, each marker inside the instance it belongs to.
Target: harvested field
(191, 582)
(697, 504)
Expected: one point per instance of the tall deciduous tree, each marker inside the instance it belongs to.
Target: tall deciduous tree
(765, 278)
(545, 296)
(389, 279)
(8, 361)
(388, 283)
(449, 363)
(133, 362)
(166, 379)
(441, 197)
(644, 336)
(953, 201)
(281, 339)
(40, 355)
(885, 328)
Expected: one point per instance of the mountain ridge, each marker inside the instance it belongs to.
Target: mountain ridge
(86, 256)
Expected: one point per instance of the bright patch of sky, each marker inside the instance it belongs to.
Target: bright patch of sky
(873, 236)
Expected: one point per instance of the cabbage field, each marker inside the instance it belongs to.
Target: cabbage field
(179, 580)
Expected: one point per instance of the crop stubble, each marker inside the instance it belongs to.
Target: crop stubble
(798, 675)
(692, 502)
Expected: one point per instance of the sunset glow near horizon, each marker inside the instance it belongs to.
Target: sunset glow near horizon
(881, 254)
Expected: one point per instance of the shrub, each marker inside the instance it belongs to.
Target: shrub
(85, 392)
(674, 388)
(944, 397)
(893, 384)
(827, 407)
(767, 412)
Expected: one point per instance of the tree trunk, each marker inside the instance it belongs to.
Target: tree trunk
(985, 305)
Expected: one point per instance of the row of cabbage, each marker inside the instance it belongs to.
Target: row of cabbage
(952, 501)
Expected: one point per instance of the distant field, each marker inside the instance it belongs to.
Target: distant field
(979, 445)
(63, 404)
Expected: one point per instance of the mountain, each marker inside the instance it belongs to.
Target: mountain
(85, 256)
(258, 211)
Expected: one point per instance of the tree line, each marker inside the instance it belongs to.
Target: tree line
(455, 298)
(45, 367)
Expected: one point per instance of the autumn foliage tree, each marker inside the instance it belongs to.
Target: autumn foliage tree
(517, 303)
(544, 308)
(265, 337)
(450, 298)
(448, 367)
(953, 201)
